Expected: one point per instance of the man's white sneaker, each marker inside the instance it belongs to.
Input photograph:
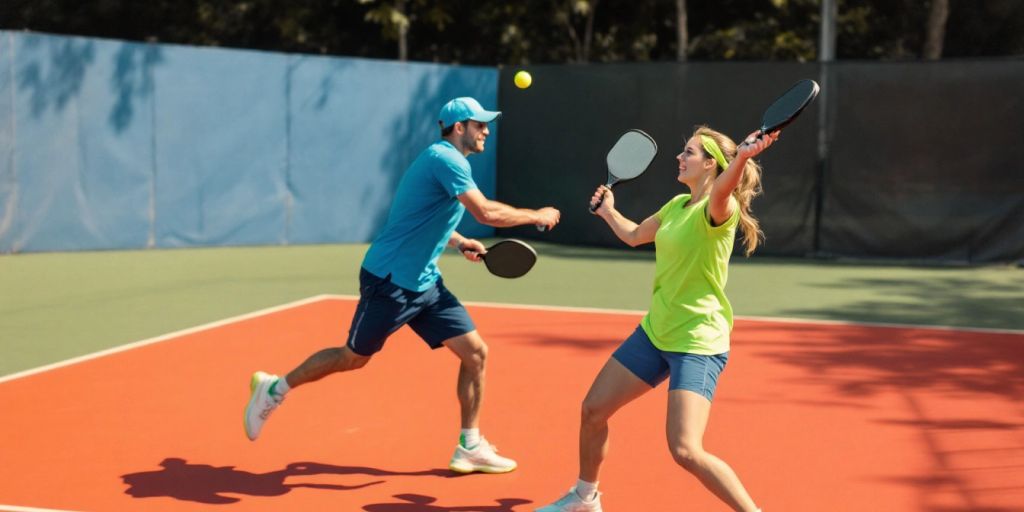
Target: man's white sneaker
(261, 403)
(572, 502)
(483, 458)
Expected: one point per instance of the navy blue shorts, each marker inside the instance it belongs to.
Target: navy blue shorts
(692, 372)
(435, 314)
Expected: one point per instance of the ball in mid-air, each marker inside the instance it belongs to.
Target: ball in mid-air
(523, 79)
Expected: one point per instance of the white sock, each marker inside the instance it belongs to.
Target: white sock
(280, 388)
(586, 489)
(469, 438)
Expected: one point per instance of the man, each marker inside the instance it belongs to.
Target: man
(400, 284)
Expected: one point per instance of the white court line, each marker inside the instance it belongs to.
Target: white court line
(777, 319)
(947, 328)
(570, 309)
(164, 337)
(12, 508)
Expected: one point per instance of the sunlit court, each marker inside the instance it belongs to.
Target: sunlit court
(803, 414)
(492, 256)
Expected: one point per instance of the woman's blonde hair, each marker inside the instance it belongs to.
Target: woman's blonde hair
(748, 188)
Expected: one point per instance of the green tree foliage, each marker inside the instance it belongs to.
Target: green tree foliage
(896, 29)
(494, 32)
(776, 30)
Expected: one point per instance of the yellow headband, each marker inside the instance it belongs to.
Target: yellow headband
(712, 147)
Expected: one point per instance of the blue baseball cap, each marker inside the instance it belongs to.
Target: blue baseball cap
(461, 109)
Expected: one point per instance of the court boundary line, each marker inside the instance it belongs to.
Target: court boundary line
(15, 508)
(163, 337)
(484, 304)
(776, 319)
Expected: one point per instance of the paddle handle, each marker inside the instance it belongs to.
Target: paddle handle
(600, 200)
(593, 208)
(468, 251)
(752, 140)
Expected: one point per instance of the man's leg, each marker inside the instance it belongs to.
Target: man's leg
(472, 352)
(324, 363)
(267, 391)
(478, 454)
(378, 314)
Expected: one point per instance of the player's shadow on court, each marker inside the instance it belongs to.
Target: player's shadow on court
(203, 483)
(421, 503)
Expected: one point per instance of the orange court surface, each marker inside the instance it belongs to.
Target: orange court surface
(813, 416)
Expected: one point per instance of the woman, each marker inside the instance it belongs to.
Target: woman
(685, 335)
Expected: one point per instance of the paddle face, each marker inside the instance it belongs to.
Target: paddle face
(510, 258)
(788, 106)
(629, 158)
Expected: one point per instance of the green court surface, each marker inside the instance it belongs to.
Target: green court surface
(55, 306)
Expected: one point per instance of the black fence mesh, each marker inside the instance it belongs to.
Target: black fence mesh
(907, 161)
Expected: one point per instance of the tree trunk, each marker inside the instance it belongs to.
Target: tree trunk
(573, 40)
(936, 31)
(580, 46)
(403, 32)
(682, 36)
(588, 36)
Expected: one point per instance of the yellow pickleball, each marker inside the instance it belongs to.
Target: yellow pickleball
(523, 79)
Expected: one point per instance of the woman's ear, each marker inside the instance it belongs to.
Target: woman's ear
(710, 164)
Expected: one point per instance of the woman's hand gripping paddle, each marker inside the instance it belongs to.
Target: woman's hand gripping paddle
(628, 158)
(786, 108)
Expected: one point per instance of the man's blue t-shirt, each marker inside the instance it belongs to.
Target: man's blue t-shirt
(423, 217)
